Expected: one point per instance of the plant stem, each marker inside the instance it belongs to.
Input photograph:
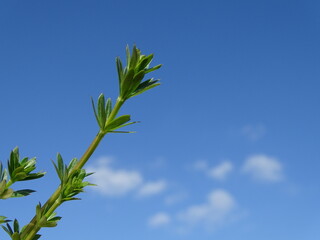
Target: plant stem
(31, 229)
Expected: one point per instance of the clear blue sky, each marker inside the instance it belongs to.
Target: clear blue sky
(228, 146)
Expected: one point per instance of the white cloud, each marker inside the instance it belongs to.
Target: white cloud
(152, 188)
(264, 168)
(113, 182)
(221, 171)
(254, 132)
(159, 219)
(218, 209)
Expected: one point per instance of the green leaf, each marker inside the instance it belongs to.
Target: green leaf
(6, 194)
(3, 173)
(16, 227)
(8, 229)
(128, 57)
(126, 83)
(118, 122)
(102, 111)
(22, 193)
(137, 80)
(3, 186)
(108, 107)
(135, 57)
(95, 111)
(72, 163)
(144, 63)
(3, 219)
(153, 68)
(60, 168)
(36, 237)
(119, 70)
(123, 125)
(144, 86)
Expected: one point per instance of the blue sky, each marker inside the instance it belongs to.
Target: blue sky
(228, 146)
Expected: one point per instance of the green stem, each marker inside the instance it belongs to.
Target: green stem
(31, 229)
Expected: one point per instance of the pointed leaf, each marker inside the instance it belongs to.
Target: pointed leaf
(22, 193)
(95, 111)
(101, 110)
(153, 68)
(118, 122)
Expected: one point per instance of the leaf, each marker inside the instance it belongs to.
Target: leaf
(22, 193)
(119, 70)
(135, 57)
(145, 62)
(95, 111)
(8, 229)
(32, 176)
(128, 55)
(16, 227)
(72, 163)
(137, 80)
(102, 111)
(144, 86)
(7, 193)
(36, 237)
(3, 219)
(3, 173)
(126, 83)
(124, 125)
(153, 68)
(118, 122)
(3, 186)
(108, 107)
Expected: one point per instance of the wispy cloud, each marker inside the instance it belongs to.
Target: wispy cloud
(113, 182)
(254, 132)
(218, 209)
(159, 219)
(264, 168)
(221, 171)
(152, 188)
(119, 182)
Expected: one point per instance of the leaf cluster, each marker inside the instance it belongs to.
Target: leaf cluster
(130, 77)
(14, 232)
(103, 112)
(72, 181)
(18, 170)
(43, 220)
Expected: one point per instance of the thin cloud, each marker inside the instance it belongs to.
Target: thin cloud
(113, 182)
(152, 188)
(217, 210)
(263, 168)
(159, 220)
(221, 171)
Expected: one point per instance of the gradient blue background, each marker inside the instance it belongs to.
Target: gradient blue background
(227, 64)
